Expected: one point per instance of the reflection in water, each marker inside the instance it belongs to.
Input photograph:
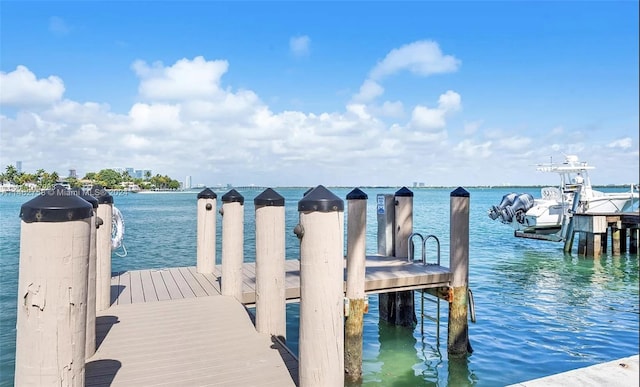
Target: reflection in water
(397, 357)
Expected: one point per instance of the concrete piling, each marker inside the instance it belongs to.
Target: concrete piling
(206, 232)
(458, 327)
(356, 268)
(103, 247)
(270, 260)
(55, 239)
(232, 212)
(398, 307)
(321, 234)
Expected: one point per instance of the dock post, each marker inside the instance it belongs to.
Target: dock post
(206, 232)
(356, 267)
(615, 238)
(458, 327)
(55, 238)
(90, 347)
(397, 308)
(568, 231)
(321, 234)
(623, 240)
(271, 313)
(232, 212)
(633, 240)
(103, 247)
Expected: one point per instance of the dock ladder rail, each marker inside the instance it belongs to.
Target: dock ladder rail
(424, 295)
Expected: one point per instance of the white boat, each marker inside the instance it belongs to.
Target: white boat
(550, 213)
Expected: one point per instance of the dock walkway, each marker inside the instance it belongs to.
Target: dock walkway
(172, 327)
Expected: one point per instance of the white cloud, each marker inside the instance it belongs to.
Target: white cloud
(623, 143)
(472, 150)
(433, 119)
(368, 91)
(186, 79)
(471, 127)
(185, 122)
(421, 58)
(21, 88)
(299, 45)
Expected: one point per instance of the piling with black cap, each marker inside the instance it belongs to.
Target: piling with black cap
(206, 231)
(458, 326)
(356, 267)
(270, 260)
(321, 234)
(90, 348)
(397, 308)
(55, 239)
(103, 247)
(232, 212)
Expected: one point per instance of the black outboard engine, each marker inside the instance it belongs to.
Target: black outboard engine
(520, 206)
(507, 200)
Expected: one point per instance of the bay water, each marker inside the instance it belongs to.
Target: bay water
(539, 311)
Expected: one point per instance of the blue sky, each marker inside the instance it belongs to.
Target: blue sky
(307, 93)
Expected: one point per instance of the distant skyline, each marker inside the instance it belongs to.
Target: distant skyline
(334, 93)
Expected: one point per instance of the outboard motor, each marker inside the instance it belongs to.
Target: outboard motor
(507, 200)
(520, 206)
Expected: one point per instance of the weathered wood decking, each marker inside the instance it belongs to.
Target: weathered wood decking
(172, 327)
(187, 342)
(383, 274)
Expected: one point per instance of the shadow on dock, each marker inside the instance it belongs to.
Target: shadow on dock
(101, 372)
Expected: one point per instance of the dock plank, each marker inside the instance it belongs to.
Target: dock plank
(148, 288)
(206, 282)
(124, 283)
(172, 286)
(383, 274)
(158, 283)
(182, 284)
(193, 283)
(180, 350)
(137, 295)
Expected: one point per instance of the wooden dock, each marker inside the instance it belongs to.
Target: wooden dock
(172, 327)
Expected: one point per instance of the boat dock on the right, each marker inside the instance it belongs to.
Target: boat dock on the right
(573, 207)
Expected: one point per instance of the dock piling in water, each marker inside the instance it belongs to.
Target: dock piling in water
(398, 307)
(55, 239)
(458, 326)
(321, 343)
(90, 347)
(232, 243)
(206, 231)
(356, 267)
(103, 247)
(271, 314)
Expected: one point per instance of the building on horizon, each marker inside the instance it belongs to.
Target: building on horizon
(19, 166)
(187, 182)
(73, 173)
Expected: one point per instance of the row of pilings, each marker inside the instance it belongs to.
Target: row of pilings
(65, 256)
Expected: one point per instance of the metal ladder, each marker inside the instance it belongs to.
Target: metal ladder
(424, 296)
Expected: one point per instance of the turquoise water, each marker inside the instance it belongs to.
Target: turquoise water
(539, 312)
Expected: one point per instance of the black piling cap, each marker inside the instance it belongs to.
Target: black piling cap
(320, 199)
(101, 194)
(207, 193)
(460, 193)
(357, 194)
(404, 192)
(56, 205)
(232, 197)
(93, 201)
(269, 197)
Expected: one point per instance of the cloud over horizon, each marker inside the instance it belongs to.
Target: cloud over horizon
(185, 123)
